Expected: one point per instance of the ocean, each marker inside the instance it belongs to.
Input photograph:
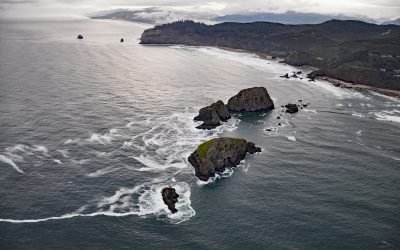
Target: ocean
(91, 130)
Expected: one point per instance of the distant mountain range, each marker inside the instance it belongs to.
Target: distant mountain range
(289, 17)
(395, 22)
(352, 51)
(158, 15)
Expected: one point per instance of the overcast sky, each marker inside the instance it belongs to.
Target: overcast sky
(378, 9)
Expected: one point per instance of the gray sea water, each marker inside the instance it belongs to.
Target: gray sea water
(93, 129)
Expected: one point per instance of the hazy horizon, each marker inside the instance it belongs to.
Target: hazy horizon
(62, 9)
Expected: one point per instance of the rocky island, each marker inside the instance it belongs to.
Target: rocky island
(351, 51)
(170, 197)
(254, 99)
(215, 155)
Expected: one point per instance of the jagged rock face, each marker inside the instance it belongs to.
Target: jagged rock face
(291, 108)
(217, 154)
(212, 115)
(251, 100)
(170, 197)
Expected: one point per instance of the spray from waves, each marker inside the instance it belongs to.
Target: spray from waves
(171, 139)
(393, 115)
(227, 173)
(10, 162)
(96, 138)
(291, 138)
(155, 166)
(142, 200)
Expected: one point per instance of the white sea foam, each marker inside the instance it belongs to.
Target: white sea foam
(388, 115)
(152, 165)
(142, 200)
(358, 114)
(394, 99)
(291, 138)
(40, 148)
(10, 162)
(310, 110)
(359, 132)
(72, 141)
(227, 173)
(57, 161)
(103, 171)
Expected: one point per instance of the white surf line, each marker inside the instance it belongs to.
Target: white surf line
(10, 162)
(68, 216)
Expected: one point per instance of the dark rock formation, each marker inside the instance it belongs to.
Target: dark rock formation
(80, 37)
(299, 72)
(294, 75)
(251, 100)
(170, 197)
(291, 108)
(285, 76)
(212, 115)
(122, 40)
(215, 155)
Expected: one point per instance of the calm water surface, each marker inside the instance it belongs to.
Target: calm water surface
(93, 129)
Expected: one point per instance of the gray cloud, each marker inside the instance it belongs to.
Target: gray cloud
(381, 9)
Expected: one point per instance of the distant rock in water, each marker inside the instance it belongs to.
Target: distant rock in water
(122, 40)
(170, 197)
(251, 100)
(215, 155)
(291, 108)
(285, 76)
(212, 115)
(80, 37)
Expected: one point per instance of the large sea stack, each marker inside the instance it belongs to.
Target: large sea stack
(212, 115)
(215, 155)
(251, 100)
(247, 100)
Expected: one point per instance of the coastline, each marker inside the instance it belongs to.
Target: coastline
(335, 82)
(356, 86)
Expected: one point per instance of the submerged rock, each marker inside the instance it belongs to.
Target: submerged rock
(291, 108)
(170, 197)
(215, 155)
(212, 115)
(251, 100)
(80, 37)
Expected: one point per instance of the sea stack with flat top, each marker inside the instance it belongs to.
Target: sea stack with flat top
(215, 155)
(251, 100)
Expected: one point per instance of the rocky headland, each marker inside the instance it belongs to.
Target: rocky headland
(351, 51)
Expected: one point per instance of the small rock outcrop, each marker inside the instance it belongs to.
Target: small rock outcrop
(213, 115)
(122, 40)
(251, 100)
(215, 155)
(79, 37)
(170, 197)
(291, 108)
(285, 76)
